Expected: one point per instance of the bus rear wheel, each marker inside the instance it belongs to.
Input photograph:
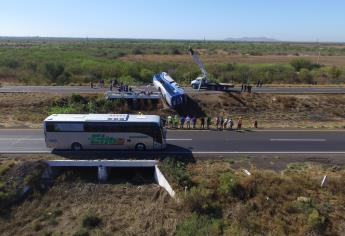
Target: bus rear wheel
(76, 147)
(140, 147)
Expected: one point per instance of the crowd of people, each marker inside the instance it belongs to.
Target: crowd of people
(248, 87)
(113, 84)
(192, 122)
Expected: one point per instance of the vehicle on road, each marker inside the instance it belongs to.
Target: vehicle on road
(104, 131)
(202, 82)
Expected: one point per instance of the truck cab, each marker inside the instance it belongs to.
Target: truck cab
(196, 83)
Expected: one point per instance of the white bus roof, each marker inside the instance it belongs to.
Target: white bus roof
(103, 118)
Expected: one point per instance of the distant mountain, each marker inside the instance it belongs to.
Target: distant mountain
(252, 39)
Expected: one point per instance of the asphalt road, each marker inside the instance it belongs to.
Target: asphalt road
(208, 142)
(86, 89)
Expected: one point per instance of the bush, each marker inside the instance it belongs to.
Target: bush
(316, 221)
(54, 70)
(200, 225)
(91, 220)
(177, 170)
(301, 63)
(227, 183)
(202, 200)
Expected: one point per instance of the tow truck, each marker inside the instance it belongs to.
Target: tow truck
(202, 82)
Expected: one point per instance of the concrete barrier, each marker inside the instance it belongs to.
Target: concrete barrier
(103, 165)
(163, 182)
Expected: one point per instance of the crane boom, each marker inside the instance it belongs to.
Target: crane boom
(197, 60)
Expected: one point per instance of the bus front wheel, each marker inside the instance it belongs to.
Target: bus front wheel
(76, 147)
(140, 147)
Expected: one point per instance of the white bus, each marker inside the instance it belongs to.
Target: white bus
(104, 131)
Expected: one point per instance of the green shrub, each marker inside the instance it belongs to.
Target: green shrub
(177, 170)
(301, 63)
(202, 200)
(200, 225)
(316, 221)
(227, 183)
(91, 220)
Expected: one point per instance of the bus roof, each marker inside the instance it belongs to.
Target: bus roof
(103, 118)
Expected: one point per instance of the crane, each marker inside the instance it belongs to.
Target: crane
(203, 81)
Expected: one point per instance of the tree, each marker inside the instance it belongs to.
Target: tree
(305, 76)
(335, 72)
(54, 70)
(301, 63)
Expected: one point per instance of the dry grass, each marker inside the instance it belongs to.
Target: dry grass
(224, 201)
(25, 109)
(272, 111)
(277, 111)
(269, 203)
(69, 205)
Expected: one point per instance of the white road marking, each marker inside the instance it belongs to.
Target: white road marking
(197, 152)
(21, 139)
(298, 140)
(179, 139)
(268, 152)
(24, 152)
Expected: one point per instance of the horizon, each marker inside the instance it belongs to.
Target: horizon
(292, 21)
(229, 39)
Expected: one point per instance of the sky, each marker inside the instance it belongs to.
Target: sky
(292, 20)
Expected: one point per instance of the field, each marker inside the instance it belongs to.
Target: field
(220, 199)
(271, 111)
(43, 61)
(225, 58)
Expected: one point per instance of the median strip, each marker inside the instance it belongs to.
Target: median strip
(297, 140)
(179, 139)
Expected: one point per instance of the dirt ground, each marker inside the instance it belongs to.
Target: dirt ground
(28, 110)
(276, 111)
(233, 58)
(25, 109)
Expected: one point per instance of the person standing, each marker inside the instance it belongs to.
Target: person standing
(169, 121)
(242, 87)
(255, 123)
(202, 123)
(188, 121)
(225, 125)
(208, 122)
(182, 120)
(175, 121)
(239, 123)
(217, 122)
(230, 123)
(221, 123)
(193, 122)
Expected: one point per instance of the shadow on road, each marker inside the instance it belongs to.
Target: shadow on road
(172, 151)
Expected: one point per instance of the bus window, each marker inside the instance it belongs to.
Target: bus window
(64, 127)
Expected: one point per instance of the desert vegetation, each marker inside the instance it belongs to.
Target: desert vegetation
(278, 111)
(78, 61)
(213, 198)
(223, 200)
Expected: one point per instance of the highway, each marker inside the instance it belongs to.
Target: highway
(208, 142)
(86, 89)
